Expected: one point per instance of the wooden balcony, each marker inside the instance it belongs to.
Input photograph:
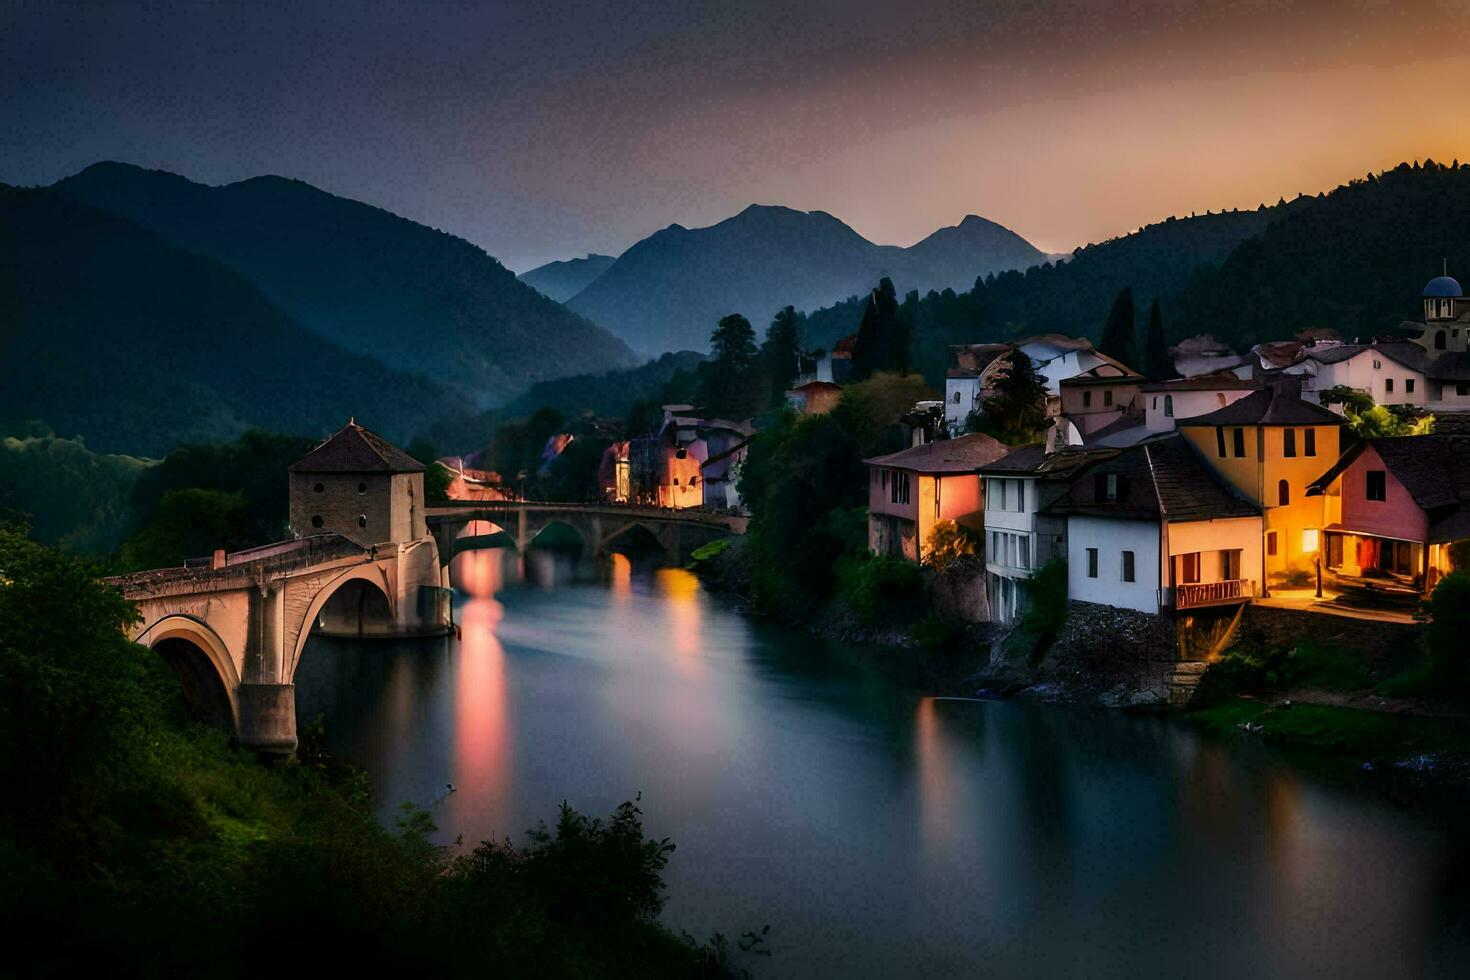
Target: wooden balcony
(1198, 594)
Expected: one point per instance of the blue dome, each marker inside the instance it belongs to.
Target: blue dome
(1442, 287)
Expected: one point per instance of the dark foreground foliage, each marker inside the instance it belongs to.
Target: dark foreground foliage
(133, 838)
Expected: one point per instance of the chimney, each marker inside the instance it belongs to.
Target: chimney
(218, 561)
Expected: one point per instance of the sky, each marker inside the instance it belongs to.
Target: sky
(547, 129)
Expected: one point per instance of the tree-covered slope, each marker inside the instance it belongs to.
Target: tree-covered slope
(563, 280)
(111, 333)
(371, 282)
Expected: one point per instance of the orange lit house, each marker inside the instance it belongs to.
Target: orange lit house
(910, 491)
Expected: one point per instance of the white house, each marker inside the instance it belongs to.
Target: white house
(1019, 538)
(1390, 373)
(1166, 401)
(1056, 357)
(1153, 529)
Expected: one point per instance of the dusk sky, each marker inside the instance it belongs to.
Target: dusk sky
(543, 130)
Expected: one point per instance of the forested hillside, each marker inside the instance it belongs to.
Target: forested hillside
(373, 283)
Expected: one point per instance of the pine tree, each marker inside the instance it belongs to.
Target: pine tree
(1016, 412)
(781, 352)
(1157, 364)
(728, 382)
(882, 338)
(1119, 332)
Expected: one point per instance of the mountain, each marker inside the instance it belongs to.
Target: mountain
(111, 333)
(668, 291)
(417, 299)
(563, 280)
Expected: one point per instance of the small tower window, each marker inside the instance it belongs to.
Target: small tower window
(1283, 493)
(1169, 406)
(316, 520)
(362, 520)
(319, 488)
(1439, 340)
(362, 488)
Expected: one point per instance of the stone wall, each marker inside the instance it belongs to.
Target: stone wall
(959, 591)
(1379, 642)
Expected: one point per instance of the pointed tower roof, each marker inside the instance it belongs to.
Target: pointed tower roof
(356, 450)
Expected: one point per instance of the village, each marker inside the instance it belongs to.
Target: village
(1239, 481)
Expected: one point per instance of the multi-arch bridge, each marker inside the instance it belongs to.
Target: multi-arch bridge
(235, 627)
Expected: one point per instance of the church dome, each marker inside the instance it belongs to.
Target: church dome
(1442, 287)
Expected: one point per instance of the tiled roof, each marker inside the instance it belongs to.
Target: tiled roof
(965, 454)
(1411, 356)
(1159, 479)
(1276, 404)
(1204, 382)
(1034, 460)
(354, 449)
(1434, 469)
(1449, 367)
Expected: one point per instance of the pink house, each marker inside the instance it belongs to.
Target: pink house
(910, 491)
(1394, 508)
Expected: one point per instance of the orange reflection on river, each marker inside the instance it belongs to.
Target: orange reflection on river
(681, 589)
(936, 789)
(620, 578)
(481, 731)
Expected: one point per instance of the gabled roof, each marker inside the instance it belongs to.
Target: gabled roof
(964, 454)
(1434, 469)
(1449, 367)
(1275, 404)
(1204, 382)
(354, 449)
(1034, 460)
(1408, 355)
(1162, 479)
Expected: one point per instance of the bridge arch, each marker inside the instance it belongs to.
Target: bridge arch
(634, 530)
(204, 665)
(560, 527)
(371, 575)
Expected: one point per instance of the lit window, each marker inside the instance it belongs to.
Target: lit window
(1377, 485)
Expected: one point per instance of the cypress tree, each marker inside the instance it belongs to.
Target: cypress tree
(1157, 364)
(1119, 332)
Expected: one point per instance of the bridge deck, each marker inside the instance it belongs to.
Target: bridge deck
(241, 566)
(628, 512)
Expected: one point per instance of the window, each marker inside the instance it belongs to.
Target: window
(1220, 440)
(1023, 552)
(1020, 496)
(362, 520)
(1107, 398)
(676, 481)
(1309, 437)
(898, 487)
(1462, 390)
(956, 397)
(1439, 340)
(1288, 442)
(1230, 564)
(1169, 406)
(319, 488)
(1283, 493)
(1377, 364)
(995, 551)
(1239, 443)
(1127, 566)
(316, 520)
(361, 488)
(1112, 486)
(1408, 386)
(1092, 563)
(1270, 542)
(1106, 487)
(681, 453)
(1003, 493)
(1377, 488)
(1087, 399)
(1156, 402)
(1189, 567)
(1388, 386)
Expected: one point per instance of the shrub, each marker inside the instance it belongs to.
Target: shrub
(867, 582)
(1445, 671)
(947, 542)
(1258, 674)
(1046, 608)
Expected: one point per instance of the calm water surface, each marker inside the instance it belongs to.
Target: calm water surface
(880, 832)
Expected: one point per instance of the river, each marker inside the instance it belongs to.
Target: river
(878, 831)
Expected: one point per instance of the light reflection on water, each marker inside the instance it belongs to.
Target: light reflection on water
(879, 831)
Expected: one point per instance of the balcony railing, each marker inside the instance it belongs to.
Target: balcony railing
(1209, 593)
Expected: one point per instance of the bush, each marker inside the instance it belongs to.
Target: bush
(949, 541)
(1445, 671)
(867, 583)
(1046, 608)
(1260, 674)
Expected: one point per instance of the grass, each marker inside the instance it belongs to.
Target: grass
(1312, 666)
(1340, 731)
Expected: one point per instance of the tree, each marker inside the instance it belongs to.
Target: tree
(1016, 412)
(189, 523)
(1380, 422)
(781, 353)
(1120, 330)
(733, 341)
(882, 338)
(1157, 365)
(729, 382)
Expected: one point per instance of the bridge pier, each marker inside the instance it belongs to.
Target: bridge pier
(268, 717)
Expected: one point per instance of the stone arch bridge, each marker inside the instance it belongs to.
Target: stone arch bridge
(600, 525)
(234, 627)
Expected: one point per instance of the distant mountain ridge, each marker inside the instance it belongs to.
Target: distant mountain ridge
(667, 291)
(113, 334)
(563, 280)
(417, 299)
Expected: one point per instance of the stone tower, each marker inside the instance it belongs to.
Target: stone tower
(361, 486)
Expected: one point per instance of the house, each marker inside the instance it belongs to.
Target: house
(721, 473)
(1101, 397)
(1019, 536)
(1166, 402)
(359, 485)
(912, 490)
(814, 397)
(1270, 446)
(1394, 507)
(1056, 357)
(1389, 373)
(1203, 354)
(1155, 529)
(1448, 382)
(665, 468)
